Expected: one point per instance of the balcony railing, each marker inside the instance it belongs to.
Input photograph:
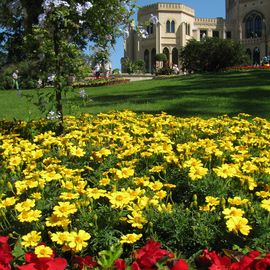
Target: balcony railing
(252, 41)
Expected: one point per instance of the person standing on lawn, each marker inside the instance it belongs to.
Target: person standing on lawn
(15, 79)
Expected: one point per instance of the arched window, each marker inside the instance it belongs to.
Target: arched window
(175, 56)
(151, 28)
(167, 53)
(254, 24)
(153, 60)
(168, 26)
(249, 27)
(146, 60)
(258, 26)
(172, 27)
(148, 29)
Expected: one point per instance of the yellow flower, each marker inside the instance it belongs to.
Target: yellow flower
(36, 195)
(29, 216)
(225, 171)
(64, 209)
(157, 169)
(77, 151)
(157, 185)
(43, 251)
(238, 224)
(119, 199)
(31, 239)
(193, 162)
(263, 194)
(8, 202)
(237, 201)
(249, 167)
(197, 172)
(95, 193)
(136, 219)
(104, 181)
(165, 208)
(141, 181)
(25, 206)
(232, 212)
(212, 201)
(60, 237)
(266, 204)
(130, 238)
(68, 196)
(15, 161)
(102, 153)
(77, 241)
(124, 173)
(161, 194)
(54, 221)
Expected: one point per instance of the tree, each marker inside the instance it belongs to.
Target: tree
(212, 54)
(161, 57)
(54, 33)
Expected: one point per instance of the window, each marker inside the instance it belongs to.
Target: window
(175, 56)
(253, 26)
(168, 26)
(258, 26)
(167, 53)
(150, 29)
(187, 29)
(172, 27)
(228, 35)
(215, 34)
(146, 60)
(203, 34)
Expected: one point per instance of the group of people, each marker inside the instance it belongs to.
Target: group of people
(104, 67)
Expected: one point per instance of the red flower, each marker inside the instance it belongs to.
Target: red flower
(260, 265)
(84, 261)
(35, 263)
(5, 253)
(147, 256)
(135, 266)
(120, 264)
(179, 265)
(213, 261)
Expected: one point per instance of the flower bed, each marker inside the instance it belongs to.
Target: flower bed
(122, 177)
(100, 82)
(247, 68)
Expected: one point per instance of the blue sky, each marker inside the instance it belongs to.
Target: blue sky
(203, 8)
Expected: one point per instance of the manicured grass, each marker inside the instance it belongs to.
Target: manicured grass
(207, 95)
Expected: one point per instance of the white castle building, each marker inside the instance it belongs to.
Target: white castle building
(247, 21)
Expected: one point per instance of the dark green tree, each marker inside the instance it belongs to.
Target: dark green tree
(53, 34)
(212, 54)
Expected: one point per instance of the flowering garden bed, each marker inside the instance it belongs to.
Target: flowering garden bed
(247, 68)
(113, 181)
(100, 82)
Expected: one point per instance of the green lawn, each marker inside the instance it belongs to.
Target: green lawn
(206, 96)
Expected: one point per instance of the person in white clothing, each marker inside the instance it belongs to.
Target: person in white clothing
(15, 78)
(107, 68)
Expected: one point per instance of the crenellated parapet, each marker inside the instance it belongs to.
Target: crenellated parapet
(166, 7)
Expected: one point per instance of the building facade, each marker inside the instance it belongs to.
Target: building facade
(247, 21)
